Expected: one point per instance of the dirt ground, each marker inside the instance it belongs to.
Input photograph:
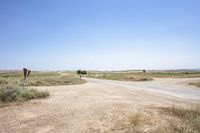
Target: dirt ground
(86, 108)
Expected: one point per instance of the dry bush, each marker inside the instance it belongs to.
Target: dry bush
(133, 123)
(185, 120)
(10, 93)
(3, 82)
(138, 121)
(166, 120)
(197, 84)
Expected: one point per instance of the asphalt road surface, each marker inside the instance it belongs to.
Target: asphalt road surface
(170, 86)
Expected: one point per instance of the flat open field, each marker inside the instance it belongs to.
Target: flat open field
(40, 79)
(138, 76)
(161, 105)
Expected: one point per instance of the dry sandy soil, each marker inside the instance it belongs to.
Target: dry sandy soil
(97, 106)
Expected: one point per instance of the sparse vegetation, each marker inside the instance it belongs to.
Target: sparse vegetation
(137, 121)
(121, 76)
(11, 93)
(39, 79)
(54, 80)
(11, 85)
(141, 76)
(197, 84)
(185, 120)
(175, 74)
(3, 82)
(173, 119)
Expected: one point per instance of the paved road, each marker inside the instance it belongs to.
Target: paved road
(173, 87)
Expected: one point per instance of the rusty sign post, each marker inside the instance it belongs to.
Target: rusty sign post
(26, 75)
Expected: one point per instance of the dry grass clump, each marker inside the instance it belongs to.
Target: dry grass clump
(11, 93)
(197, 84)
(137, 78)
(3, 82)
(162, 120)
(138, 122)
(188, 119)
(134, 123)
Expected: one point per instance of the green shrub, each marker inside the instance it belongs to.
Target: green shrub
(18, 93)
(32, 93)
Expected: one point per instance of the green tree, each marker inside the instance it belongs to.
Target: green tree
(80, 73)
(84, 72)
(144, 71)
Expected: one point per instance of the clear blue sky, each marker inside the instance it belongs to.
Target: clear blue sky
(99, 34)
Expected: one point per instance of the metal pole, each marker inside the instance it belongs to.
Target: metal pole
(24, 82)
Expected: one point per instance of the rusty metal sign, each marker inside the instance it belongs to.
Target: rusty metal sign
(26, 73)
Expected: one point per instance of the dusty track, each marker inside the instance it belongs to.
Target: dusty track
(96, 106)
